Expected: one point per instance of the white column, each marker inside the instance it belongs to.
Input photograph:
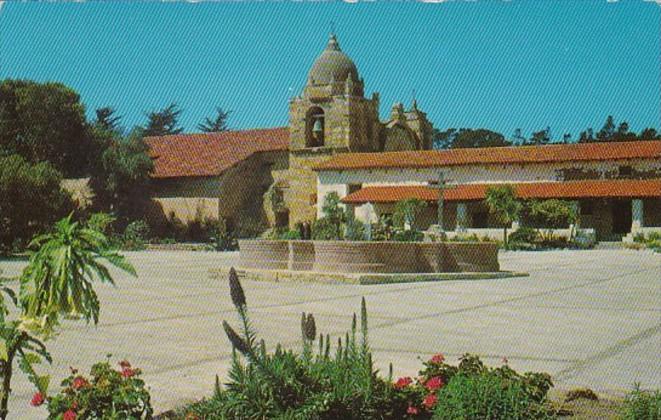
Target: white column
(636, 215)
(462, 217)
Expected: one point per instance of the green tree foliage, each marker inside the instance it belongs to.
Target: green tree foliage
(406, 212)
(31, 199)
(44, 122)
(57, 281)
(164, 122)
(518, 138)
(468, 138)
(121, 182)
(329, 227)
(503, 204)
(217, 124)
(551, 214)
(612, 132)
(107, 119)
(540, 138)
(650, 134)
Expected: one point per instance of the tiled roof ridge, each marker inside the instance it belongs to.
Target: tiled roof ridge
(494, 155)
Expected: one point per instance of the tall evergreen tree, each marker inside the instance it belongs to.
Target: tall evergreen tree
(217, 124)
(518, 138)
(608, 130)
(649, 134)
(586, 136)
(540, 137)
(164, 122)
(107, 119)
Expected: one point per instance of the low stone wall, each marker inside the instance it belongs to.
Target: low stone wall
(369, 257)
(366, 257)
(301, 255)
(269, 255)
(470, 257)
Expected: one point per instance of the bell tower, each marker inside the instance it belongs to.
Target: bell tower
(330, 116)
(332, 111)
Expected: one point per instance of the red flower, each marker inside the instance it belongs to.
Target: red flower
(434, 383)
(430, 401)
(412, 410)
(69, 415)
(37, 399)
(438, 358)
(79, 382)
(403, 382)
(128, 372)
(124, 364)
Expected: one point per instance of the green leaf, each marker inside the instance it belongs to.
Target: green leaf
(42, 383)
(32, 358)
(3, 351)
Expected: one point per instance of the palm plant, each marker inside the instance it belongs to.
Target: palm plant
(58, 280)
(505, 207)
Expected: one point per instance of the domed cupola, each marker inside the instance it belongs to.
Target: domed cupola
(332, 71)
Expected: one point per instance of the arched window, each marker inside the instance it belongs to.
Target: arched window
(314, 127)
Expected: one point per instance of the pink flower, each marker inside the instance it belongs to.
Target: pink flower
(128, 372)
(79, 382)
(438, 358)
(430, 401)
(412, 410)
(69, 415)
(37, 399)
(505, 361)
(434, 383)
(403, 382)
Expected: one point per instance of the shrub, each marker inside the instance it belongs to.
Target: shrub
(406, 212)
(408, 236)
(642, 405)
(524, 235)
(651, 241)
(581, 394)
(551, 214)
(486, 395)
(317, 385)
(107, 394)
(31, 200)
(135, 235)
(354, 230)
(326, 229)
(223, 238)
(292, 234)
(382, 230)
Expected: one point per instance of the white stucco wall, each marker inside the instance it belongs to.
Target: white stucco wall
(339, 181)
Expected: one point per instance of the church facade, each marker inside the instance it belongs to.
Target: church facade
(336, 142)
(331, 116)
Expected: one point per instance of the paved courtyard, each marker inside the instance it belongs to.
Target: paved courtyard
(590, 318)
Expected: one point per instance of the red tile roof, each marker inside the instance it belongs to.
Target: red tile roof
(210, 154)
(543, 190)
(495, 155)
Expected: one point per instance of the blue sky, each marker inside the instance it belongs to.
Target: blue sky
(499, 65)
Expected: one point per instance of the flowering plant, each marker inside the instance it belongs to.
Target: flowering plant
(107, 393)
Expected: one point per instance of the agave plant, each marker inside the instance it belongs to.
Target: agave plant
(58, 279)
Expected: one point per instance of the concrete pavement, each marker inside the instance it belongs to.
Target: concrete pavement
(589, 318)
